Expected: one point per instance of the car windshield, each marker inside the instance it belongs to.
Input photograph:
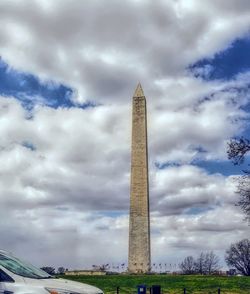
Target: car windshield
(21, 268)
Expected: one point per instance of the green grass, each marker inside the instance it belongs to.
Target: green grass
(170, 284)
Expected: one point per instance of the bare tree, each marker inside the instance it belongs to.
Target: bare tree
(243, 190)
(238, 256)
(237, 149)
(188, 265)
(211, 263)
(61, 270)
(48, 269)
(102, 268)
(200, 265)
(207, 263)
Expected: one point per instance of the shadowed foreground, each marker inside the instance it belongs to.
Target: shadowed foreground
(169, 284)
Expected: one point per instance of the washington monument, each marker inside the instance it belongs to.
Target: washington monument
(139, 223)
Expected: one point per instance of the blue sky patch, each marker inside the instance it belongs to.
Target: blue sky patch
(197, 210)
(29, 145)
(163, 165)
(225, 167)
(226, 64)
(113, 214)
(29, 90)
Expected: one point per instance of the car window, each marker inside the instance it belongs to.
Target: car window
(21, 268)
(5, 278)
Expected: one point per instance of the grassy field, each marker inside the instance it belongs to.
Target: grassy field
(169, 284)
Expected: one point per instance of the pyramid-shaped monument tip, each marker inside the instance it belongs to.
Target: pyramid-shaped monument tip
(139, 91)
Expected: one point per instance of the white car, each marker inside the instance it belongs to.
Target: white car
(18, 277)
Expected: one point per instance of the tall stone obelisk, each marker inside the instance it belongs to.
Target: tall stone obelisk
(139, 223)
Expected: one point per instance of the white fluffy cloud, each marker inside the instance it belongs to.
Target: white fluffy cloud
(103, 50)
(65, 172)
(74, 185)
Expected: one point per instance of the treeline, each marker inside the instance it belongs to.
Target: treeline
(237, 257)
(207, 263)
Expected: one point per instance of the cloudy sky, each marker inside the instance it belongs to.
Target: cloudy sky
(68, 70)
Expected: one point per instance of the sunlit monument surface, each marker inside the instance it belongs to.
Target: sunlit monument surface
(139, 223)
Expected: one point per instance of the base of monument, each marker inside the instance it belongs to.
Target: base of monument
(139, 272)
